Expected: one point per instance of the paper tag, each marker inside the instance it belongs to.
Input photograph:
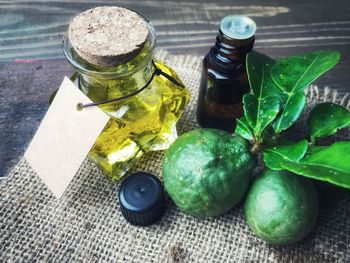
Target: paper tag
(64, 138)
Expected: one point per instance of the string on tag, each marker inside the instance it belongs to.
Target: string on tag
(157, 71)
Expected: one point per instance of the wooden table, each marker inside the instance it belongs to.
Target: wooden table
(32, 64)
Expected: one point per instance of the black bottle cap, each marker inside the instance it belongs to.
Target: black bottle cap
(142, 199)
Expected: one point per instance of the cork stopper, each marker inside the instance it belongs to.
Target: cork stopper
(108, 36)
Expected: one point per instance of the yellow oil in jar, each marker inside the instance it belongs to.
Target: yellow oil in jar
(141, 123)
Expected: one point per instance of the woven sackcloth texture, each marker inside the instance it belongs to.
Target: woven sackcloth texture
(86, 225)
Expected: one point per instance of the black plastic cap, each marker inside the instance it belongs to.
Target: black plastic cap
(142, 199)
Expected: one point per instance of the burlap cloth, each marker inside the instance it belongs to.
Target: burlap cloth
(86, 225)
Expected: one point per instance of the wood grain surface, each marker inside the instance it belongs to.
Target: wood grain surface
(32, 64)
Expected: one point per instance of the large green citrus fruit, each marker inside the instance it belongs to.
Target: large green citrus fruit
(206, 172)
(281, 207)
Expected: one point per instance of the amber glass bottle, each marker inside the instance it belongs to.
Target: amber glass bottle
(224, 79)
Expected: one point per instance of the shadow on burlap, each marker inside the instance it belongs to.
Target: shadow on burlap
(86, 224)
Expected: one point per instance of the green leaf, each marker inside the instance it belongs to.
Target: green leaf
(326, 118)
(262, 106)
(331, 164)
(293, 107)
(260, 112)
(314, 149)
(292, 75)
(275, 156)
(259, 75)
(243, 128)
(337, 154)
(319, 172)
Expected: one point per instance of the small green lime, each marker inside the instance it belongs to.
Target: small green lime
(281, 207)
(206, 172)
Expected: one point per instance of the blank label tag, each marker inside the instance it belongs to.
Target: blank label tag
(64, 138)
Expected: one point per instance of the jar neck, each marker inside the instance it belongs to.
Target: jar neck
(227, 50)
(100, 87)
(104, 83)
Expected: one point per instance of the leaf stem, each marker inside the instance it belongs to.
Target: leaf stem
(313, 141)
(256, 146)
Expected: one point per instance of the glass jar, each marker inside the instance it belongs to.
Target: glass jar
(145, 121)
